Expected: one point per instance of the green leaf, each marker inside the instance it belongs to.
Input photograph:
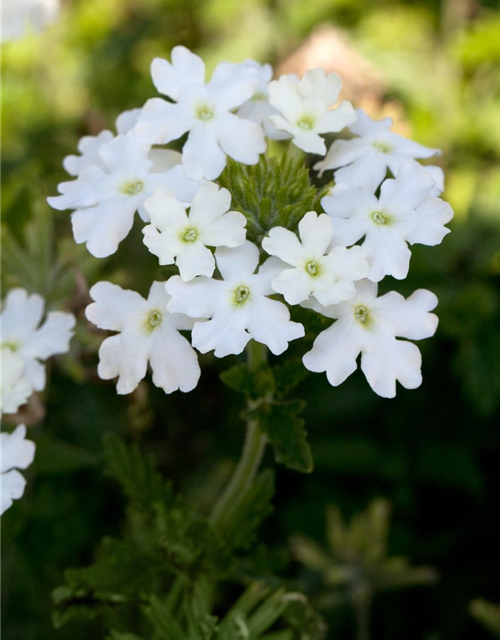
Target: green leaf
(286, 432)
(251, 510)
(289, 375)
(164, 624)
(142, 483)
(254, 384)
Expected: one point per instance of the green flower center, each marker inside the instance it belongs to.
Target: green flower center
(306, 123)
(190, 235)
(241, 294)
(12, 346)
(312, 268)
(259, 96)
(361, 314)
(154, 318)
(133, 187)
(383, 147)
(378, 217)
(204, 112)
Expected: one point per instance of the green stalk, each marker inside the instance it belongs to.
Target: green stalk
(251, 457)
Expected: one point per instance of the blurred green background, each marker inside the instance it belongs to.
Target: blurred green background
(434, 453)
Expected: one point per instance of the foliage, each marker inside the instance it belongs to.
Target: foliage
(161, 579)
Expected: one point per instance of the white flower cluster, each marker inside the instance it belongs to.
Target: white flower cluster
(226, 293)
(25, 345)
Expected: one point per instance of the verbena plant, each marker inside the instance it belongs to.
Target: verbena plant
(262, 252)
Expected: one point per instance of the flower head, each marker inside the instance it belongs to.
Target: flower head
(306, 108)
(405, 213)
(173, 235)
(106, 199)
(238, 306)
(21, 334)
(325, 272)
(147, 333)
(205, 111)
(17, 453)
(366, 158)
(370, 326)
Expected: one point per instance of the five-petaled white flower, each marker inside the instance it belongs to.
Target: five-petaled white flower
(106, 199)
(21, 333)
(17, 453)
(173, 235)
(15, 389)
(203, 110)
(325, 272)
(306, 108)
(405, 212)
(366, 158)
(370, 325)
(258, 108)
(147, 333)
(238, 306)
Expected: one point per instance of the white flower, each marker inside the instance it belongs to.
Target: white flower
(203, 110)
(258, 108)
(147, 332)
(21, 333)
(306, 108)
(15, 390)
(106, 199)
(19, 17)
(238, 305)
(405, 212)
(17, 453)
(173, 235)
(89, 146)
(370, 325)
(366, 158)
(318, 269)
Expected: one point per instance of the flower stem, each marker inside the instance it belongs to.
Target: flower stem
(251, 457)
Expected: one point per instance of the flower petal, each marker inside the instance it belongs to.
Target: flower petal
(202, 157)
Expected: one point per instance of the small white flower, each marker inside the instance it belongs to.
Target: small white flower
(15, 390)
(306, 108)
(325, 272)
(147, 332)
(258, 108)
(17, 453)
(20, 17)
(21, 333)
(366, 158)
(106, 199)
(175, 236)
(89, 146)
(405, 212)
(238, 306)
(369, 326)
(203, 110)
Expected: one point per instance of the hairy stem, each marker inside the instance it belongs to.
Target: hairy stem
(251, 456)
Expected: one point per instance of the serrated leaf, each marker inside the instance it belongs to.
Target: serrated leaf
(253, 384)
(142, 483)
(286, 433)
(289, 375)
